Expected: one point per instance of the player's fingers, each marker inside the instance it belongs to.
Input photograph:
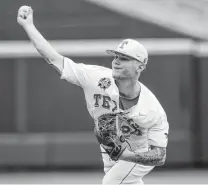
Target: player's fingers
(20, 19)
(24, 8)
(28, 11)
(24, 11)
(21, 15)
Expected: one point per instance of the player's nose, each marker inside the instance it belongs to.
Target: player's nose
(116, 61)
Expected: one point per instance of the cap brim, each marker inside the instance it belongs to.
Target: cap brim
(114, 52)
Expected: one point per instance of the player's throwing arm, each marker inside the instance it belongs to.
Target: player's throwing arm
(25, 19)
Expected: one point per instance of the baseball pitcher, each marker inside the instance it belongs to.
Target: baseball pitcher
(130, 123)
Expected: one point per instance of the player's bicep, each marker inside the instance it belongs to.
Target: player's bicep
(59, 64)
(52, 57)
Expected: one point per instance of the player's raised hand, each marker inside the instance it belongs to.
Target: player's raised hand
(25, 16)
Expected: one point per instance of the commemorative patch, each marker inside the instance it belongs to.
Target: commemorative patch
(104, 83)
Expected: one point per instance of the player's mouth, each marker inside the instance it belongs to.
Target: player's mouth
(117, 68)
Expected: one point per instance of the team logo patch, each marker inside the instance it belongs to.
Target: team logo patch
(104, 83)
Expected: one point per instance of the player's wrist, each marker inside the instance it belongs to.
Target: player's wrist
(29, 26)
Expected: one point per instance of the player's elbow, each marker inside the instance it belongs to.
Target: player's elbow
(56, 61)
(54, 58)
(161, 161)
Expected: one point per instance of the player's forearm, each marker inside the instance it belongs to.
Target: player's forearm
(154, 157)
(42, 45)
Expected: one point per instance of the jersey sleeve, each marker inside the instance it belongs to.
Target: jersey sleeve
(75, 73)
(158, 133)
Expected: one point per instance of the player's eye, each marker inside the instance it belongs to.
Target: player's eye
(123, 59)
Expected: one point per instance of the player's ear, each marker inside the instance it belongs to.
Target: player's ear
(140, 68)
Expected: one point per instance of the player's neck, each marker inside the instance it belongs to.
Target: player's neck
(128, 89)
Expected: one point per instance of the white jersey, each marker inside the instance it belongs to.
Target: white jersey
(102, 97)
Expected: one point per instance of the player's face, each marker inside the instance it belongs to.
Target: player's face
(124, 67)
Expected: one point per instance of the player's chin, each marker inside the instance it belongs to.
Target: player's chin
(116, 75)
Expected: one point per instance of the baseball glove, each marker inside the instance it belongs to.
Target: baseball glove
(110, 135)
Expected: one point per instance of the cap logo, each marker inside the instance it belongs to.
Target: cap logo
(123, 43)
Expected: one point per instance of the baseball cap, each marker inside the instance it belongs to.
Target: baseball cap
(131, 48)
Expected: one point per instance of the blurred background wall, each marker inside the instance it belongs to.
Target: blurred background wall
(44, 121)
